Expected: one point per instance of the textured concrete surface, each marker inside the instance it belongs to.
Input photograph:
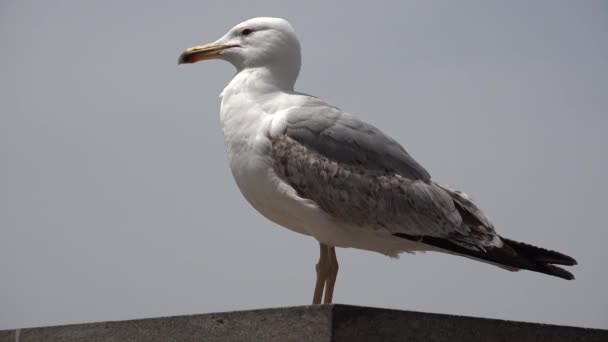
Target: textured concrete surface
(352, 323)
(284, 324)
(309, 323)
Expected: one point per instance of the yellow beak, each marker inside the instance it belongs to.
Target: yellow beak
(202, 52)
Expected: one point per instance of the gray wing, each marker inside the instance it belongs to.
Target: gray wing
(363, 177)
(345, 139)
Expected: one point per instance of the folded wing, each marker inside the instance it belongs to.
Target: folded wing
(362, 177)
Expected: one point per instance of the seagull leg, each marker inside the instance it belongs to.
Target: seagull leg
(322, 273)
(332, 275)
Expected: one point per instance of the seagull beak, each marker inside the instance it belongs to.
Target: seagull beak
(202, 52)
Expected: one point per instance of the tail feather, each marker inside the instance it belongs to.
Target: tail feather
(540, 254)
(512, 254)
(554, 271)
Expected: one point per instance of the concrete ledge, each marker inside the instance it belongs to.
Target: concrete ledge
(309, 323)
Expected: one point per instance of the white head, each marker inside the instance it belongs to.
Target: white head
(269, 43)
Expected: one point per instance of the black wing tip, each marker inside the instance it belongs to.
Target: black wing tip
(540, 254)
(563, 260)
(556, 271)
(568, 261)
(513, 254)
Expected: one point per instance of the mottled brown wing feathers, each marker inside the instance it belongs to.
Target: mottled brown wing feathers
(365, 197)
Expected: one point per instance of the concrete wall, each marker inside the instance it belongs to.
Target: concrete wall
(309, 323)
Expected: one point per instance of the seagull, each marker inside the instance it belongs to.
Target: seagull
(317, 170)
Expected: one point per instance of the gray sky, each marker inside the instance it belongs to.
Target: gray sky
(116, 200)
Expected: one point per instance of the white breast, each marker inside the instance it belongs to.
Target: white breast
(246, 125)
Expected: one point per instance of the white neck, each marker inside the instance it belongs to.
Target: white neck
(259, 81)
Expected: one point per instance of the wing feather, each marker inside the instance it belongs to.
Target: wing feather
(343, 138)
(365, 197)
(361, 176)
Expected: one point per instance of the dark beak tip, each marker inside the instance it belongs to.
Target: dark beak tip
(184, 58)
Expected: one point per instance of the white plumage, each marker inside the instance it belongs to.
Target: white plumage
(316, 170)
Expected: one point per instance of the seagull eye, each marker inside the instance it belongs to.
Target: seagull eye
(247, 32)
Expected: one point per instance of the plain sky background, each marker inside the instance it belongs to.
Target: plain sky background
(116, 200)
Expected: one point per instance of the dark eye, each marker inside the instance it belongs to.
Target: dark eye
(247, 32)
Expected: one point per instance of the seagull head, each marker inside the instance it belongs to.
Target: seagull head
(255, 43)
